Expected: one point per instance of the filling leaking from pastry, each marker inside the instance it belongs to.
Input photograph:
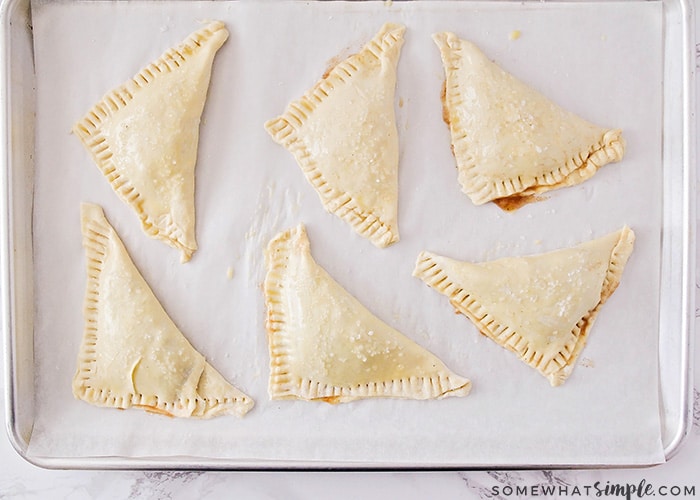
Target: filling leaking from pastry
(132, 354)
(510, 142)
(541, 307)
(326, 346)
(144, 135)
(343, 135)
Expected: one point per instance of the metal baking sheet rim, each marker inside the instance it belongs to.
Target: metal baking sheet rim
(15, 264)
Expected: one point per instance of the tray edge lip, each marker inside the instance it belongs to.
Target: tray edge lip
(689, 225)
(19, 444)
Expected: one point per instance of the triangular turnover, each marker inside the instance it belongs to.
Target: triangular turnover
(510, 142)
(343, 135)
(541, 307)
(144, 135)
(325, 345)
(132, 354)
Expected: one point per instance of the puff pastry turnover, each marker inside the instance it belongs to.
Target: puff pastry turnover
(509, 141)
(324, 345)
(143, 136)
(541, 307)
(343, 135)
(132, 354)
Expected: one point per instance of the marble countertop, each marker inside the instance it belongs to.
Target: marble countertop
(677, 478)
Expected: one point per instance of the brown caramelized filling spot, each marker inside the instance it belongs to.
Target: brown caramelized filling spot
(333, 62)
(512, 203)
(443, 98)
(334, 400)
(153, 409)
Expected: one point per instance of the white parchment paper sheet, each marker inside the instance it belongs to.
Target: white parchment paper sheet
(602, 60)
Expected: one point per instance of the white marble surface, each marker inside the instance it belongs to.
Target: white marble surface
(20, 480)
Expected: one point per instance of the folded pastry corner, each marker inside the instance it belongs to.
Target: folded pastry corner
(510, 142)
(144, 134)
(132, 354)
(343, 135)
(325, 345)
(541, 307)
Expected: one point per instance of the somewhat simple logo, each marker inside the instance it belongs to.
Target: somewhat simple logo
(598, 489)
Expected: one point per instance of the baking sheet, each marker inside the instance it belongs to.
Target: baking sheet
(599, 60)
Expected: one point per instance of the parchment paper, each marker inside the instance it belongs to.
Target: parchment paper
(602, 60)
